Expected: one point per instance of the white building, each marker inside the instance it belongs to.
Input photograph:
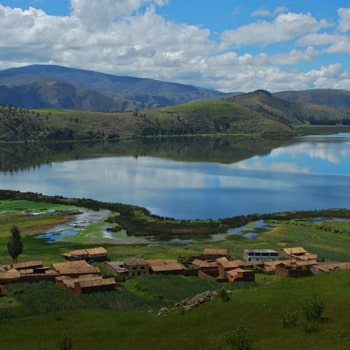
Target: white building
(252, 255)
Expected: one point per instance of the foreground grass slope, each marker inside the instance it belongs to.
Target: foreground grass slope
(259, 310)
(269, 314)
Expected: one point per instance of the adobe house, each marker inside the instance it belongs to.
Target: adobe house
(330, 267)
(10, 276)
(88, 284)
(293, 268)
(28, 265)
(165, 266)
(97, 285)
(94, 254)
(117, 267)
(298, 253)
(136, 267)
(225, 265)
(240, 275)
(75, 268)
(210, 267)
(270, 266)
(214, 253)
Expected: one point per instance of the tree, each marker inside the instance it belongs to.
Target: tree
(15, 244)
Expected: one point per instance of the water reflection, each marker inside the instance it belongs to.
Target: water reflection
(310, 173)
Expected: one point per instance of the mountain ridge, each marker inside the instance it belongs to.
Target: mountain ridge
(141, 93)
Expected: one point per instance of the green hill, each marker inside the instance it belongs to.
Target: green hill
(291, 113)
(257, 113)
(200, 118)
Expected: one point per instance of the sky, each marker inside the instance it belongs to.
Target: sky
(227, 45)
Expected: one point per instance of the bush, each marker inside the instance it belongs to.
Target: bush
(313, 309)
(289, 319)
(237, 339)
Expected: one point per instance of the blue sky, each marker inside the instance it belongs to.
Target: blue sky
(229, 45)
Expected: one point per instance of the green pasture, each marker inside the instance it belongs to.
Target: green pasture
(258, 310)
(44, 316)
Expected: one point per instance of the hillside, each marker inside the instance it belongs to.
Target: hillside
(199, 118)
(216, 117)
(291, 113)
(89, 90)
(324, 97)
(49, 93)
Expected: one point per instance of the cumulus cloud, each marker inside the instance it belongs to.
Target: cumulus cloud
(262, 12)
(130, 37)
(286, 26)
(344, 19)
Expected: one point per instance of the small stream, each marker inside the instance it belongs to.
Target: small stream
(78, 223)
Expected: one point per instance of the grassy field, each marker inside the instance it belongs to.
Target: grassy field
(268, 314)
(259, 310)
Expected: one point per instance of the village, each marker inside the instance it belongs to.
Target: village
(79, 274)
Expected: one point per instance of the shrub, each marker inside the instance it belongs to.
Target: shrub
(223, 294)
(289, 319)
(313, 308)
(237, 339)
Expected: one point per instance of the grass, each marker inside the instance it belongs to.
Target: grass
(42, 316)
(258, 309)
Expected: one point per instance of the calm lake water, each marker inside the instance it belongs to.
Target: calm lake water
(309, 173)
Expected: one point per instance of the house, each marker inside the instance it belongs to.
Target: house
(224, 265)
(240, 275)
(10, 276)
(330, 267)
(214, 253)
(298, 253)
(88, 284)
(117, 267)
(270, 266)
(28, 265)
(97, 285)
(258, 255)
(203, 265)
(136, 267)
(90, 254)
(294, 268)
(165, 266)
(75, 268)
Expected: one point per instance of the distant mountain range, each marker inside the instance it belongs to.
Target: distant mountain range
(49, 86)
(324, 97)
(79, 103)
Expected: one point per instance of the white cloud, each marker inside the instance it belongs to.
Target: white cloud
(294, 57)
(344, 19)
(129, 37)
(262, 12)
(285, 27)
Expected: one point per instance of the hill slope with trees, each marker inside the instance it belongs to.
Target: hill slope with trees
(291, 113)
(199, 118)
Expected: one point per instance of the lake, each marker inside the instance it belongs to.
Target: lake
(308, 173)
